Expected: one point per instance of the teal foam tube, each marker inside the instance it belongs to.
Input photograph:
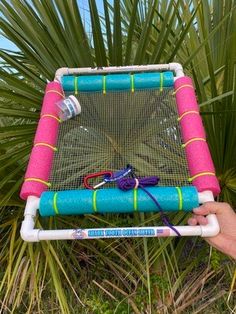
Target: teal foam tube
(118, 82)
(84, 83)
(113, 82)
(114, 200)
(153, 80)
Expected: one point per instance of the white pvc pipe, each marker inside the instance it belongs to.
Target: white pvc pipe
(205, 196)
(79, 234)
(176, 67)
(28, 233)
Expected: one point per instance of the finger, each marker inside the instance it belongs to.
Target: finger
(201, 220)
(192, 221)
(213, 208)
(195, 219)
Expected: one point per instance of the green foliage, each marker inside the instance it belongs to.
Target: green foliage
(131, 276)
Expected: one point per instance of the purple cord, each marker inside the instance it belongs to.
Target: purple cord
(126, 184)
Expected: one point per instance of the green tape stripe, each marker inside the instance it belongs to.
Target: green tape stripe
(104, 84)
(76, 85)
(135, 200)
(132, 82)
(161, 81)
(95, 201)
(55, 204)
(180, 198)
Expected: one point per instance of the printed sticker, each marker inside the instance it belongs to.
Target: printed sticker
(162, 232)
(79, 234)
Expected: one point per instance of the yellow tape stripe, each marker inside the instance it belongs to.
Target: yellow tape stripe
(104, 84)
(95, 201)
(135, 199)
(55, 92)
(194, 140)
(55, 204)
(47, 145)
(180, 197)
(201, 174)
(132, 82)
(51, 116)
(186, 113)
(76, 85)
(161, 81)
(38, 180)
(183, 86)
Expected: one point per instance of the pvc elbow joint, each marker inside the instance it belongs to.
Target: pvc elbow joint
(177, 67)
(212, 228)
(29, 235)
(27, 232)
(60, 72)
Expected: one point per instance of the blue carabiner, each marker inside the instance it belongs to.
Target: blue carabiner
(118, 174)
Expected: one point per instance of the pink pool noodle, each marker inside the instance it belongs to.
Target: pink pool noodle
(201, 153)
(185, 97)
(53, 93)
(47, 131)
(188, 127)
(41, 157)
(197, 152)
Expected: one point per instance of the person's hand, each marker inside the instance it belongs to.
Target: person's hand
(225, 241)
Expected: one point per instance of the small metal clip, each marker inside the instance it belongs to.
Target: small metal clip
(95, 175)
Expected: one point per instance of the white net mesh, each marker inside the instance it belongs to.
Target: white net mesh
(117, 129)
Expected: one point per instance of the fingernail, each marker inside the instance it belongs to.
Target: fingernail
(196, 210)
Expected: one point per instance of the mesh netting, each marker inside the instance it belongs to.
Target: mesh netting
(117, 129)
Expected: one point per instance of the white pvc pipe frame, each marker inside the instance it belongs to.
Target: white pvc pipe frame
(175, 67)
(30, 234)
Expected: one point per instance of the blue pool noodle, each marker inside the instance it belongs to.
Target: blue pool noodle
(114, 200)
(113, 82)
